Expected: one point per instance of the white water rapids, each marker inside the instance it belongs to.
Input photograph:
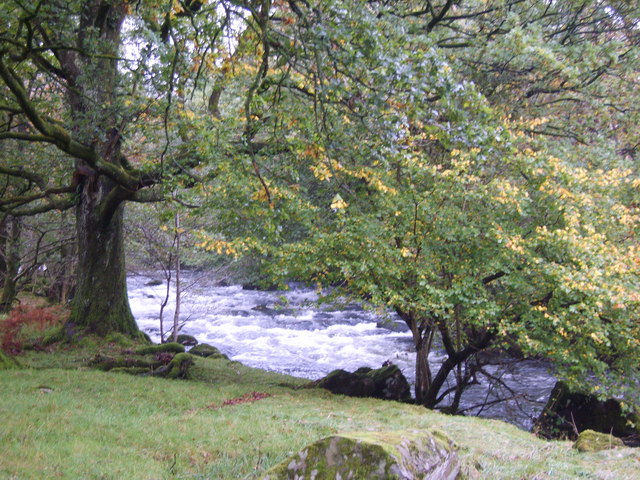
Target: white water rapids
(288, 332)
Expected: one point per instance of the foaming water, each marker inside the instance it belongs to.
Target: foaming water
(288, 332)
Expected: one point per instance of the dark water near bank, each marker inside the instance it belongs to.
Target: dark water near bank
(288, 332)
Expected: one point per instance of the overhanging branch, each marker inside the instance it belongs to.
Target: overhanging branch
(20, 172)
(60, 137)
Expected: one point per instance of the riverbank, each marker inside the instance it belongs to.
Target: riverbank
(289, 332)
(63, 420)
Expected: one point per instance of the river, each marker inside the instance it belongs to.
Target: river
(288, 332)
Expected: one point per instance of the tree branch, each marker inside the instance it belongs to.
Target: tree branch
(14, 202)
(27, 137)
(61, 204)
(20, 172)
(60, 137)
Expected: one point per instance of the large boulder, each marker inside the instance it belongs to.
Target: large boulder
(567, 412)
(404, 455)
(387, 383)
(590, 441)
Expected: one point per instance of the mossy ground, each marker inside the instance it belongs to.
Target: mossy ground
(63, 420)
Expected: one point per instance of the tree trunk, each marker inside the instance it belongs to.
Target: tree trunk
(423, 371)
(12, 263)
(100, 302)
(176, 313)
(69, 259)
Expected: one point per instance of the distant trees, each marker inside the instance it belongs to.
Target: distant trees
(37, 253)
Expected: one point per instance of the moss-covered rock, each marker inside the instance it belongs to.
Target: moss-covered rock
(387, 383)
(177, 368)
(206, 350)
(590, 441)
(405, 455)
(7, 362)
(187, 340)
(110, 363)
(171, 347)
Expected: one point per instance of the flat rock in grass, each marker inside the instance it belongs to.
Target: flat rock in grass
(590, 441)
(403, 455)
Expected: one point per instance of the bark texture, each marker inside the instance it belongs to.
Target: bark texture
(101, 303)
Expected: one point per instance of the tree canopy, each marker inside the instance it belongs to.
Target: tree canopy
(470, 165)
(89, 111)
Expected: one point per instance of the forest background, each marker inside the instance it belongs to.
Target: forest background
(470, 165)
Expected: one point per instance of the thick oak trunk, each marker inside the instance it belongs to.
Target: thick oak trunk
(101, 303)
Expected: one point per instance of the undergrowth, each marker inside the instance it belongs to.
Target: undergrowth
(25, 321)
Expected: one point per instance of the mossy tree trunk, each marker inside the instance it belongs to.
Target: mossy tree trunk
(100, 302)
(70, 51)
(11, 263)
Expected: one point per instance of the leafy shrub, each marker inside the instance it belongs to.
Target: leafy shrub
(29, 319)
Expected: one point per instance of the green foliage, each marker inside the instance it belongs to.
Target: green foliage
(471, 166)
(472, 170)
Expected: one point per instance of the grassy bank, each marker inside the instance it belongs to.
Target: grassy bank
(70, 422)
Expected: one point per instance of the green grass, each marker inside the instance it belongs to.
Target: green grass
(73, 423)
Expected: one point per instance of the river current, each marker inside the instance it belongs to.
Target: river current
(289, 332)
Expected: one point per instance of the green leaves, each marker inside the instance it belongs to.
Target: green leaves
(438, 171)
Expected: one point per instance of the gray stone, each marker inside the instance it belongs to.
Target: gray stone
(387, 383)
(403, 455)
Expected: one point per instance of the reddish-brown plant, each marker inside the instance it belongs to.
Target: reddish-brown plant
(36, 318)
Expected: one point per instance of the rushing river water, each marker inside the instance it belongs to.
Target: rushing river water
(288, 332)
